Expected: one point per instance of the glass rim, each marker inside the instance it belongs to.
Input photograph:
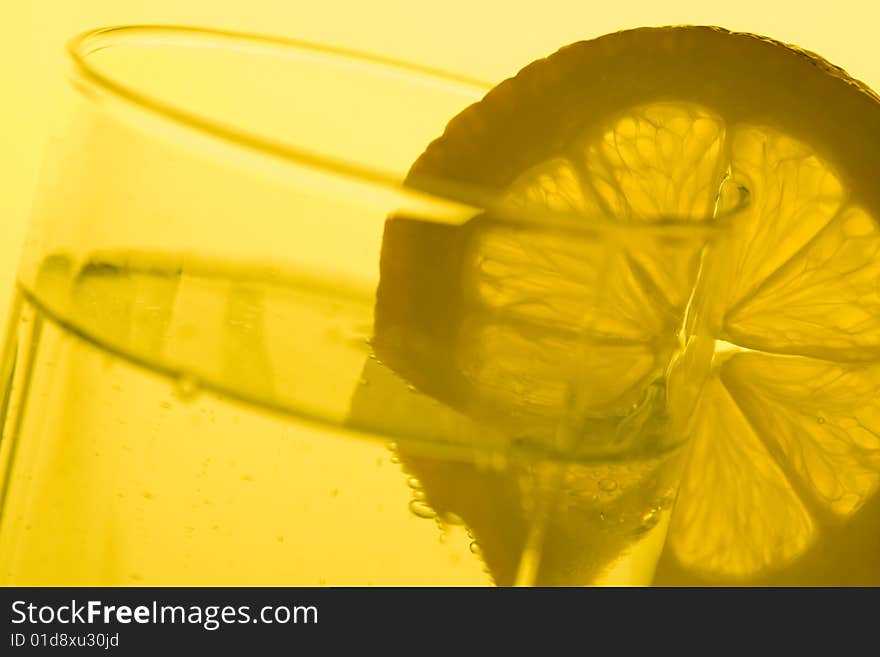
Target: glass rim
(80, 47)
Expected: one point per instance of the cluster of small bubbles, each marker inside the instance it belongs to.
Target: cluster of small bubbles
(422, 509)
(418, 499)
(392, 447)
(607, 485)
(186, 387)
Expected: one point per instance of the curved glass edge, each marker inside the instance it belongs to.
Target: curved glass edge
(90, 80)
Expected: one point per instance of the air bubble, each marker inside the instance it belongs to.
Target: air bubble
(452, 519)
(421, 509)
(414, 483)
(820, 420)
(649, 519)
(475, 548)
(607, 485)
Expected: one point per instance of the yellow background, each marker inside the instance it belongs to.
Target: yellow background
(490, 39)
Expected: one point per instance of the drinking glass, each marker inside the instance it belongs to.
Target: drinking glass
(217, 369)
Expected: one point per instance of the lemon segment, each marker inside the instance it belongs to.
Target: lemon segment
(658, 162)
(820, 419)
(793, 194)
(823, 302)
(561, 282)
(736, 513)
(553, 185)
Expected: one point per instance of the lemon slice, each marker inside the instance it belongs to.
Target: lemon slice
(640, 127)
